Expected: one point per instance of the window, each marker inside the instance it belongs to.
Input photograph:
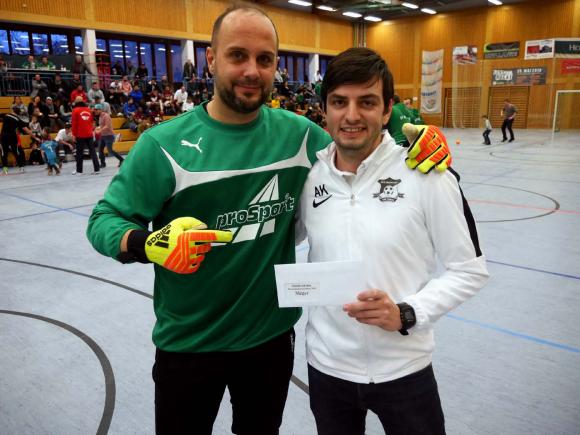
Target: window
(59, 43)
(176, 63)
(146, 58)
(131, 56)
(200, 60)
(160, 61)
(300, 69)
(101, 45)
(40, 44)
(79, 45)
(116, 48)
(290, 66)
(20, 42)
(4, 49)
(282, 63)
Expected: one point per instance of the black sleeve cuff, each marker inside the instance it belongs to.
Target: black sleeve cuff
(135, 248)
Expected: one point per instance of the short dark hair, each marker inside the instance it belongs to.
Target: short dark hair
(396, 99)
(358, 65)
(239, 6)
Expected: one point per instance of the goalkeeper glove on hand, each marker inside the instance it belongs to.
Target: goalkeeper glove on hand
(180, 246)
(428, 148)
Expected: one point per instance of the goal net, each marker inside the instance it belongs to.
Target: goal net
(566, 111)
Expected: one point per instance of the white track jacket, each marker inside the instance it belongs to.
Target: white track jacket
(400, 223)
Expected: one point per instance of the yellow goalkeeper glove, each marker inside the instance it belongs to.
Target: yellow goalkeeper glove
(180, 246)
(428, 148)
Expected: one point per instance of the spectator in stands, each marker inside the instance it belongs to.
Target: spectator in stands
(95, 91)
(105, 130)
(106, 107)
(9, 139)
(23, 115)
(36, 103)
(64, 111)
(30, 62)
(117, 69)
(192, 86)
(79, 66)
(58, 88)
(188, 105)
(82, 130)
(65, 141)
(188, 71)
(48, 148)
(142, 72)
(317, 76)
(154, 97)
(78, 92)
(76, 81)
(52, 115)
(164, 82)
(129, 108)
(278, 76)
(153, 85)
(131, 70)
(3, 65)
(39, 87)
(285, 91)
(35, 129)
(168, 106)
(45, 63)
(126, 87)
(137, 121)
(35, 157)
(180, 97)
(136, 94)
(285, 75)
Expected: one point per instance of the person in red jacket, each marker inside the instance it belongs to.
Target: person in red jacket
(82, 130)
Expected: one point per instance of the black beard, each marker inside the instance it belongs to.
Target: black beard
(229, 98)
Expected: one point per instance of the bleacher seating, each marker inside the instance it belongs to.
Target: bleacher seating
(128, 137)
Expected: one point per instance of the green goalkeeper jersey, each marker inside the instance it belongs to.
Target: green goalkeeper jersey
(244, 178)
(399, 116)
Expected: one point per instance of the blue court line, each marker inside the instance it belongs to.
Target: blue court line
(515, 334)
(43, 204)
(564, 275)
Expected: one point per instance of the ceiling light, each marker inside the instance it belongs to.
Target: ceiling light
(371, 18)
(428, 11)
(299, 3)
(495, 2)
(410, 5)
(326, 8)
(352, 14)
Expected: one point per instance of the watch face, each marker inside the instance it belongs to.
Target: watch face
(408, 316)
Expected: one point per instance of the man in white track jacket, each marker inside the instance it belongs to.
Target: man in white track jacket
(361, 202)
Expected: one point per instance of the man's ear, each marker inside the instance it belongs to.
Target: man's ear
(210, 57)
(388, 111)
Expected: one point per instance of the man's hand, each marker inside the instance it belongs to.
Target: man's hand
(375, 307)
(428, 148)
(181, 245)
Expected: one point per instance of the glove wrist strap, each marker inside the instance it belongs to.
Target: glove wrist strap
(135, 247)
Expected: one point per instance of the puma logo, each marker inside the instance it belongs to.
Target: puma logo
(192, 145)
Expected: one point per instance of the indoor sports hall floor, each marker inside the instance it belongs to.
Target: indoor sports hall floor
(75, 347)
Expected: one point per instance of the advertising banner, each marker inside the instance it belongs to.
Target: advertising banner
(567, 47)
(431, 81)
(465, 55)
(501, 50)
(519, 76)
(539, 49)
(570, 66)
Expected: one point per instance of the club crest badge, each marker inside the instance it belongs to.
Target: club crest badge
(389, 190)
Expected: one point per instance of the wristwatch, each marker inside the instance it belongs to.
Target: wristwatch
(408, 318)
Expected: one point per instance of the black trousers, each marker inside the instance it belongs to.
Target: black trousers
(507, 123)
(12, 145)
(80, 146)
(405, 406)
(189, 388)
(486, 136)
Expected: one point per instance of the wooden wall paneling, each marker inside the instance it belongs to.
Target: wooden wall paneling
(204, 13)
(166, 14)
(518, 96)
(335, 35)
(60, 8)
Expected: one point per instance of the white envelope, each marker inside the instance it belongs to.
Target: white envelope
(329, 283)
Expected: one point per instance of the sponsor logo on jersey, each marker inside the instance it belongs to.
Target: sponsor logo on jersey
(192, 145)
(389, 190)
(321, 195)
(259, 218)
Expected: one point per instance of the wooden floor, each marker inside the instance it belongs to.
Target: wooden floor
(75, 327)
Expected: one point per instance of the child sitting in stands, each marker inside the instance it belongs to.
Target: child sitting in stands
(48, 148)
(35, 157)
(35, 129)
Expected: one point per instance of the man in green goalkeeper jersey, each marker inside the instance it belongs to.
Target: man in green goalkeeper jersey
(239, 168)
